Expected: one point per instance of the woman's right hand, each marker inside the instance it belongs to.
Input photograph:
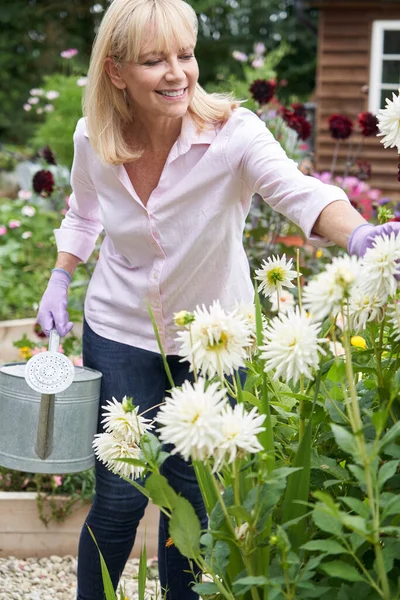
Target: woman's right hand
(54, 303)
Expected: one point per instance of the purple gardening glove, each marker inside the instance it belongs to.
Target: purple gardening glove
(53, 305)
(362, 237)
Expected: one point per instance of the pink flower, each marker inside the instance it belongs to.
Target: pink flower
(3, 230)
(258, 62)
(52, 94)
(69, 53)
(26, 235)
(259, 48)
(14, 224)
(82, 81)
(57, 480)
(24, 195)
(38, 350)
(77, 361)
(28, 211)
(27, 107)
(239, 56)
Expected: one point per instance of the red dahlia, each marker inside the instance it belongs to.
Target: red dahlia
(262, 90)
(301, 126)
(39, 331)
(48, 156)
(368, 123)
(340, 127)
(43, 182)
(299, 109)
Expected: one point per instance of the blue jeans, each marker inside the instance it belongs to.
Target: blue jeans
(118, 506)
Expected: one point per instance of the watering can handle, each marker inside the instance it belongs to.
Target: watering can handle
(54, 341)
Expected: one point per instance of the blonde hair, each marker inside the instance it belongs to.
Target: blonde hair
(121, 36)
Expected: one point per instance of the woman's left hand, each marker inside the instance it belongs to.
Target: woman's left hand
(362, 237)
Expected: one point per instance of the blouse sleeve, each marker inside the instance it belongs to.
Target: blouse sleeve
(265, 169)
(81, 225)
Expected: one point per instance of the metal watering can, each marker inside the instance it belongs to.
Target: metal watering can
(48, 413)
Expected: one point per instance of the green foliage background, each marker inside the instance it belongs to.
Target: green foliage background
(34, 32)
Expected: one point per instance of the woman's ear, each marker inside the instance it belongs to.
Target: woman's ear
(114, 73)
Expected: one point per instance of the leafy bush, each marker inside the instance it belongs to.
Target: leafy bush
(59, 125)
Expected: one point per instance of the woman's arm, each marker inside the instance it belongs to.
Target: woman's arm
(337, 221)
(67, 261)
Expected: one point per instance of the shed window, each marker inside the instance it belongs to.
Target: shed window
(385, 63)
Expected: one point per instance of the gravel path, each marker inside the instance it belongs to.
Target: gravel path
(54, 578)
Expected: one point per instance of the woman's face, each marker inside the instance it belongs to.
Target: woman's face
(161, 84)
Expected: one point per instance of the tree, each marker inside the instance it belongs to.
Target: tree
(34, 32)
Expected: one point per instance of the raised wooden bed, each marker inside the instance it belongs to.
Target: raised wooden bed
(23, 534)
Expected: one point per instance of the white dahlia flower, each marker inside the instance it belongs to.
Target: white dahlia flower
(282, 302)
(239, 431)
(291, 346)
(108, 447)
(275, 273)
(123, 419)
(326, 292)
(191, 419)
(389, 122)
(216, 342)
(364, 307)
(380, 265)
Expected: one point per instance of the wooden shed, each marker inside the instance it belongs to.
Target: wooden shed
(358, 66)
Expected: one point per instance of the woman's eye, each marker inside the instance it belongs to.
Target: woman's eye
(151, 63)
(187, 56)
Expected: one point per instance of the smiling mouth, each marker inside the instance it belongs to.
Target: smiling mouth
(173, 93)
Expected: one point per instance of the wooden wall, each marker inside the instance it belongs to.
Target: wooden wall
(344, 47)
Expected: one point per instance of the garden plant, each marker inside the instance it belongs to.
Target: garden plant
(300, 476)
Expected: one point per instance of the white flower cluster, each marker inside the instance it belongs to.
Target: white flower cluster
(123, 429)
(389, 123)
(364, 286)
(199, 421)
(216, 342)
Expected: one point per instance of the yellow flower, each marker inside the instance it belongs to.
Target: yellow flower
(319, 253)
(358, 342)
(25, 352)
(169, 542)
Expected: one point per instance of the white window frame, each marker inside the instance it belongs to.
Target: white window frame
(377, 56)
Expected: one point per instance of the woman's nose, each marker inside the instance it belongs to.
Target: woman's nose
(175, 71)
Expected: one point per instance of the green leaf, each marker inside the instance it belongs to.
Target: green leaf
(251, 399)
(338, 568)
(328, 546)
(355, 523)
(220, 558)
(107, 584)
(142, 574)
(244, 584)
(357, 506)
(327, 521)
(390, 436)
(344, 439)
(184, 528)
(205, 589)
(240, 513)
(337, 372)
(161, 493)
(392, 507)
(387, 470)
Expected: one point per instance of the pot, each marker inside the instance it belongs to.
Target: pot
(75, 422)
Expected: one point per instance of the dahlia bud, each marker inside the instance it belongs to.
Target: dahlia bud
(183, 318)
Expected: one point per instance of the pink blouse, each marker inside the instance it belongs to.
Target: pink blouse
(185, 247)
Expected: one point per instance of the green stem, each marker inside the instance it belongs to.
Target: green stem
(302, 421)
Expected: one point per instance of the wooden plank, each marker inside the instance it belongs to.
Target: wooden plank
(332, 59)
(355, 76)
(343, 93)
(353, 45)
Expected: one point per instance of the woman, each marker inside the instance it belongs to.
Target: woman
(168, 172)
